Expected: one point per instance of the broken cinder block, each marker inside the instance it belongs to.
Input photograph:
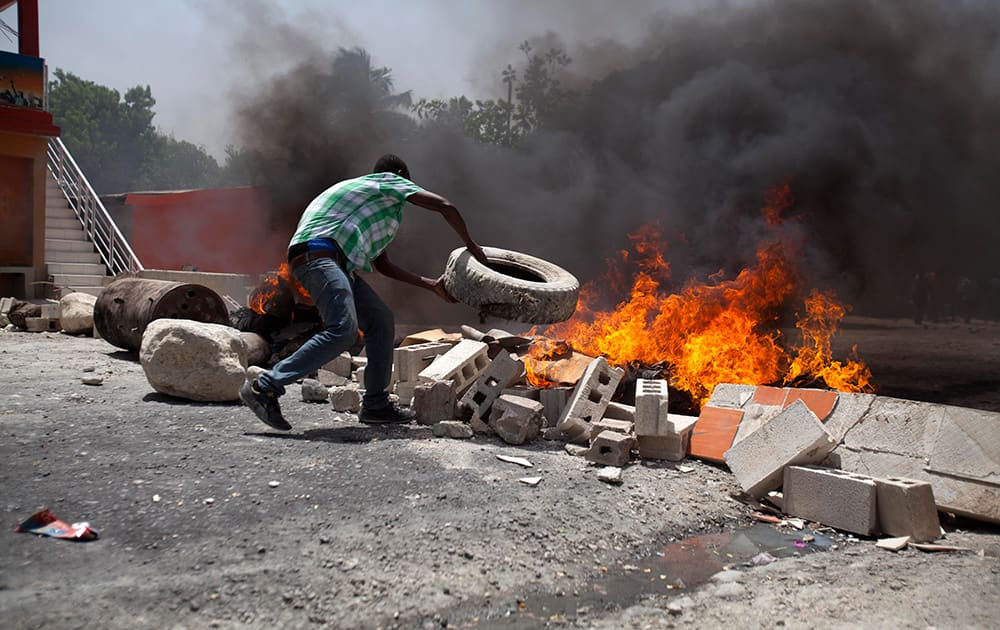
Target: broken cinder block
(409, 361)
(589, 400)
(463, 364)
(906, 508)
(41, 324)
(502, 372)
(516, 419)
(625, 427)
(341, 365)
(793, 437)
(314, 391)
(434, 402)
(554, 400)
(611, 448)
(672, 446)
(840, 499)
(346, 398)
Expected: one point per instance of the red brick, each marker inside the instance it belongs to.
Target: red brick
(769, 395)
(819, 401)
(714, 432)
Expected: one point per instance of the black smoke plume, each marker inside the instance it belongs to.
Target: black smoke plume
(884, 118)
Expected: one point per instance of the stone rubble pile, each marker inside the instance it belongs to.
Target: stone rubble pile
(856, 462)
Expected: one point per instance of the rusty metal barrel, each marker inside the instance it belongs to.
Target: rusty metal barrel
(126, 306)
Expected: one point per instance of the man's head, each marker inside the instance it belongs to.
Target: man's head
(390, 163)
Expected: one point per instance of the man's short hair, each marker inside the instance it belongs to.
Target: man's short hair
(390, 163)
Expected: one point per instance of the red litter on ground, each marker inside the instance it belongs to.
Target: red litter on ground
(45, 523)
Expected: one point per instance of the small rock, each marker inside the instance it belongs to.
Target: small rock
(209, 501)
(314, 391)
(610, 474)
(762, 558)
(156, 498)
(92, 380)
(726, 577)
(520, 461)
(89, 368)
(730, 590)
(452, 429)
(576, 449)
(530, 481)
(274, 484)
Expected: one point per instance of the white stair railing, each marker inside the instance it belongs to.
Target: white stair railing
(100, 228)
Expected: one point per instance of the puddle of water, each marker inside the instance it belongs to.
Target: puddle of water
(674, 569)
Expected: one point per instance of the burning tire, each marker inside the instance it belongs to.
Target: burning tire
(514, 286)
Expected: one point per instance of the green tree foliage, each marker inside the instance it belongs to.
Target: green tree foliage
(539, 99)
(113, 140)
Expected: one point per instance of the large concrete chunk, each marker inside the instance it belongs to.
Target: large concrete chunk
(955, 449)
(837, 498)
(462, 364)
(502, 372)
(193, 360)
(590, 399)
(906, 508)
(794, 436)
(554, 400)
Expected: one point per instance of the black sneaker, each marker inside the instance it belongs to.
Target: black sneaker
(392, 414)
(265, 405)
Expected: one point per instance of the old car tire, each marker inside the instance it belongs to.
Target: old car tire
(514, 286)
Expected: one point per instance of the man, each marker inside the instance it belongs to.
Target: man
(345, 229)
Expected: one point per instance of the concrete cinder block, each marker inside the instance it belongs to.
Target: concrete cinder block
(669, 447)
(674, 445)
(611, 448)
(50, 310)
(409, 361)
(906, 508)
(434, 402)
(462, 364)
(525, 391)
(341, 365)
(620, 411)
(516, 419)
(837, 498)
(793, 437)
(651, 397)
(625, 427)
(6, 304)
(554, 400)
(589, 400)
(503, 371)
(41, 324)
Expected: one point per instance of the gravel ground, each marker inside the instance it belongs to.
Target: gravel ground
(208, 519)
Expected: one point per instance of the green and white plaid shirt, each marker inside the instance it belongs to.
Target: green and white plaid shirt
(362, 215)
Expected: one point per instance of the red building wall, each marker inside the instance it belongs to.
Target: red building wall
(223, 230)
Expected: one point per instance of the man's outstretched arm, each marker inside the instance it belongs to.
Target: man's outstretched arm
(437, 203)
(389, 269)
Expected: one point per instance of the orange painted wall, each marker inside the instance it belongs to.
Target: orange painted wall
(221, 230)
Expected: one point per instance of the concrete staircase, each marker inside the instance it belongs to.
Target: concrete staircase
(72, 262)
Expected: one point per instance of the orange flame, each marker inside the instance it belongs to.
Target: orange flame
(272, 285)
(719, 331)
(543, 350)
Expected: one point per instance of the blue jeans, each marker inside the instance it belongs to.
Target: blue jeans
(346, 303)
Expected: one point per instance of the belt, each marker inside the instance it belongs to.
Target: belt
(302, 259)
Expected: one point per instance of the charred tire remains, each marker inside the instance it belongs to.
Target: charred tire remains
(514, 286)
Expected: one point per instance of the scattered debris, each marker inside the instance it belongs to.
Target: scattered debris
(530, 481)
(45, 523)
(932, 547)
(452, 429)
(610, 474)
(762, 558)
(685, 469)
(893, 544)
(274, 484)
(520, 461)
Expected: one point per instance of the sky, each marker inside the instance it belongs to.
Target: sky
(193, 52)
